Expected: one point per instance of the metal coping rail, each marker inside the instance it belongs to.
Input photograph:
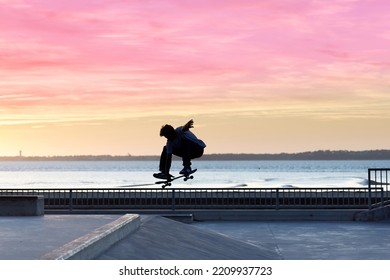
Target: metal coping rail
(378, 177)
(205, 198)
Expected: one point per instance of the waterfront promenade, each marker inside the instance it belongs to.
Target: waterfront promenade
(28, 238)
(231, 224)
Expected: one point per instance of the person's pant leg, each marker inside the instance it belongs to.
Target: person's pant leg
(163, 159)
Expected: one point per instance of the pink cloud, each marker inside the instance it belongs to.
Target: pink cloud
(228, 62)
(146, 49)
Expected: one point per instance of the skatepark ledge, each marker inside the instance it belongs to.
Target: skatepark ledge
(94, 243)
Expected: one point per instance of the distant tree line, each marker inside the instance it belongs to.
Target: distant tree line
(79, 158)
(315, 155)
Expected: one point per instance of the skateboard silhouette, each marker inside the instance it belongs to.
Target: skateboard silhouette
(168, 182)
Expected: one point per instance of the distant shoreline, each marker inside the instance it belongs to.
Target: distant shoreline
(315, 155)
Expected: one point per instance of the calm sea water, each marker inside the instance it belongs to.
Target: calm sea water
(232, 174)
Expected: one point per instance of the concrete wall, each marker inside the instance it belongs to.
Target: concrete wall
(276, 215)
(21, 205)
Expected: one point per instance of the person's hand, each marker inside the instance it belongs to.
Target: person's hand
(190, 124)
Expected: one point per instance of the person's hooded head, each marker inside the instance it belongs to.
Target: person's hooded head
(168, 132)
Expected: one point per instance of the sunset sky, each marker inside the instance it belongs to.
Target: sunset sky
(257, 76)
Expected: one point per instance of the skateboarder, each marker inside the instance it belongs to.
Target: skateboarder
(180, 142)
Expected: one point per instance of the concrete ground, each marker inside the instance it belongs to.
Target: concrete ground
(159, 238)
(313, 240)
(26, 238)
(164, 239)
(29, 238)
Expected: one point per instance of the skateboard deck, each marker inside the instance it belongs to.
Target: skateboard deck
(185, 177)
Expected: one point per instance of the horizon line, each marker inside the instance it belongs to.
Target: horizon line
(211, 154)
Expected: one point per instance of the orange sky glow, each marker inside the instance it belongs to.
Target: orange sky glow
(102, 76)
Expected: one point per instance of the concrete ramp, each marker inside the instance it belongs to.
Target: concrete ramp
(377, 214)
(160, 238)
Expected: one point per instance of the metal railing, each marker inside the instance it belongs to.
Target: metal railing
(205, 198)
(378, 178)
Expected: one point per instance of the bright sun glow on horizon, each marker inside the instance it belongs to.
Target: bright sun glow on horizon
(102, 76)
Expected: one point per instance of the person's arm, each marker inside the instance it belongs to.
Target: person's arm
(188, 125)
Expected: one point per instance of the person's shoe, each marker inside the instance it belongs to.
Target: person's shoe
(186, 171)
(161, 176)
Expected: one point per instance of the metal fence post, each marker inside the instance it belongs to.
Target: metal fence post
(173, 200)
(382, 198)
(369, 189)
(70, 200)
